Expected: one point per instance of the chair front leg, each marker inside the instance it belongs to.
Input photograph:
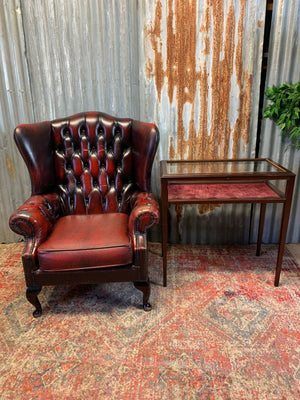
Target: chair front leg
(32, 296)
(145, 288)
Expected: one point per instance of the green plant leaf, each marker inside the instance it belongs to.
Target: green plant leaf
(284, 109)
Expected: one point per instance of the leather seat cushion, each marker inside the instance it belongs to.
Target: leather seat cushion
(87, 241)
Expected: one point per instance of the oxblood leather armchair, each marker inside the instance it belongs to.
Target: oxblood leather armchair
(91, 206)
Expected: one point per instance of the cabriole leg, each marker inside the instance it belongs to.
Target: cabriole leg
(32, 296)
(145, 288)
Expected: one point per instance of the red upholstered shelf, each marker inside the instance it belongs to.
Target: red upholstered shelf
(221, 191)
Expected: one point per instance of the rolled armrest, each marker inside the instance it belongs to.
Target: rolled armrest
(144, 214)
(35, 219)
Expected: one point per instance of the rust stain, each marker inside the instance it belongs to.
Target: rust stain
(260, 23)
(172, 152)
(154, 32)
(222, 70)
(206, 208)
(181, 65)
(11, 168)
(203, 134)
(180, 73)
(244, 82)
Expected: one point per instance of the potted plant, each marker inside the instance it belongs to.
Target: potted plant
(284, 110)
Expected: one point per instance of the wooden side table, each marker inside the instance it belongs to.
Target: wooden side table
(226, 181)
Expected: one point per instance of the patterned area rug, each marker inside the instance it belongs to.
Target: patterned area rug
(220, 330)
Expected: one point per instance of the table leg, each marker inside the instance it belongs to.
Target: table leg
(164, 223)
(284, 225)
(261, 227)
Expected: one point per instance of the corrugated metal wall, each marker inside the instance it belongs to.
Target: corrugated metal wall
(193, 67)
(283, 66)
(82, 55)
(15, 107)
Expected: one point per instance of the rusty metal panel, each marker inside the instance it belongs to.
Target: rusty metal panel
(283, 66)
(201, 78)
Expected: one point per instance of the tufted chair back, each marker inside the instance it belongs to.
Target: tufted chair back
(94, 161)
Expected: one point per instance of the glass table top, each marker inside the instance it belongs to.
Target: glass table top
(221, 167)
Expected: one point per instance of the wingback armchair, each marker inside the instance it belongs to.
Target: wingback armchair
(90, 208)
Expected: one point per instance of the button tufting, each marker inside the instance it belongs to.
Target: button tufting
(65, 133)
(95, 158)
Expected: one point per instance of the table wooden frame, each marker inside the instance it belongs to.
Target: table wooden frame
(285, 197)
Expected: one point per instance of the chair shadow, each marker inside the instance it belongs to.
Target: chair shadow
(90, 298)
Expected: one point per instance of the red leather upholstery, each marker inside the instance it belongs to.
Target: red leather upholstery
(101, 240)
(221, 191)
(93, 159)
(91, 205)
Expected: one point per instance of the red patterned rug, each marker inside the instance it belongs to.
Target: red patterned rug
(220, 330)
